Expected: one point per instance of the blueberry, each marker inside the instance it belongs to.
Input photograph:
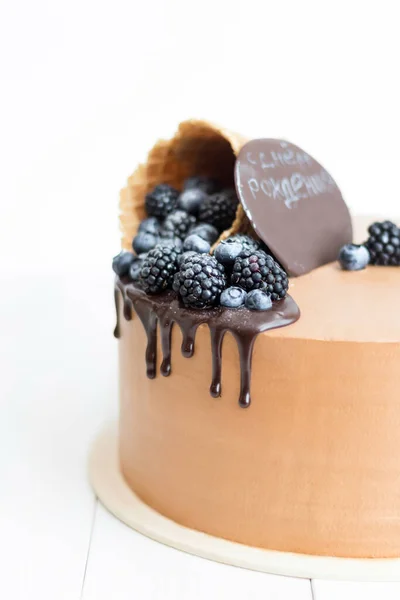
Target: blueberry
(226, 252)
(150, 225)
(197, 244)
(233, 297)
(203, 183)
(191, 199)
(353, 257)
(258, 300)
(206, 231)
(136, 266)
(122, 263)
(144, 242)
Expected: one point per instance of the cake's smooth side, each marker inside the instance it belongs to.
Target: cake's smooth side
(313, 466)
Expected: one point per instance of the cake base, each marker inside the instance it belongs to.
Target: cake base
(112, 490)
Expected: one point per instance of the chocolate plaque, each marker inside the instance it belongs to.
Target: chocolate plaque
(293, 204)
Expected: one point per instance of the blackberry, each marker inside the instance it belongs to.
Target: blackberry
(219, 209)
(161, 201)
(158, 269)
(202, 183)
(177, 224)
(184, 255)
(383, 244)
(173, 242)
(256, 269)
(200, 281)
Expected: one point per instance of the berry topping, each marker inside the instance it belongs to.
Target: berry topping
(233, 297)
(258, 270)
(247, 242)
(206, 231)
(122, 263)
(143, 242)
(258, 300)
(197, 244)
(136, 267)
(191, 199)
(200, 281)
(353, 257)
(227, 251)
(383, 244)
(182, 256)
(200, 182)
(219, 209)
(158, 269)
(150, 225)
(177, 224)
(161, 200)
(172, 242)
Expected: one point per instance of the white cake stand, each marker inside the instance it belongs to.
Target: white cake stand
(114, 493)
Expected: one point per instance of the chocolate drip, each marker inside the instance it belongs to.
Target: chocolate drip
(189, 334)
(127, 309)
(217, 336)
(149, 320)
(166, 332)
(245, 345)
(117, 329)
(165, 310)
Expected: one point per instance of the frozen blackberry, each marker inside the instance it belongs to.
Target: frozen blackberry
(158, 269)
(177, 224)
(383, 244)
(161, 201)
(200, 182)
(219, 209)
(200, 281)
(184, 255)
(256, 269)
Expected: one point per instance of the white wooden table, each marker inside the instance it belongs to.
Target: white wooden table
(58, 373)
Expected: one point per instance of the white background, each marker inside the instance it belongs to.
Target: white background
(85, 89)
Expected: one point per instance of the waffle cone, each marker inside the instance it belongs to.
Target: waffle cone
(197, 148)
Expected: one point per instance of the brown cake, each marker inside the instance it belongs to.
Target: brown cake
(273, 428)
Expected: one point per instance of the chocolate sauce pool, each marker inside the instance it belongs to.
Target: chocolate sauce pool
(165, 310)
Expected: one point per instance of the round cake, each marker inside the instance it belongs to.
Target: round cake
(278, 429)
